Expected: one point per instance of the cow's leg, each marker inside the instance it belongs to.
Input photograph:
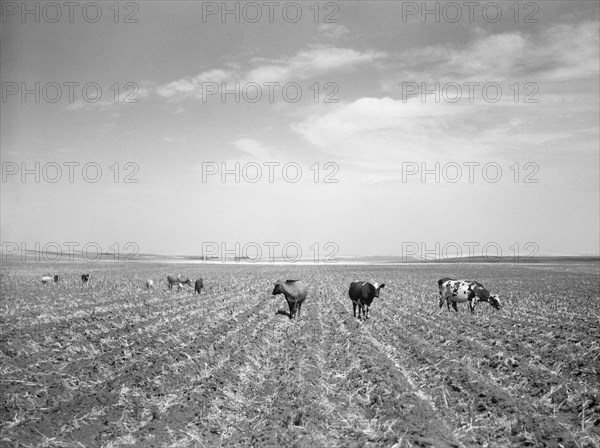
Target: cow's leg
(292, 307)
(453, 306)
(299, 306)
(354, 308)
(366, 312)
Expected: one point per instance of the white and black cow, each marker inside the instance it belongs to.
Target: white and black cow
(295, 293)
(179, 280)
(85, 278)
(49, 279)
(458, 291)
(149, 283)
(362, 294)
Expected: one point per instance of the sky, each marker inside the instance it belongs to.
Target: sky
(331, 128)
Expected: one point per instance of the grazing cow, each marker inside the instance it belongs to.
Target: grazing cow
(48, 279)
(149, 284)
(179, 280)
(363, 293)
(85, 278)
(294, 292)
(455, 291)
(198, 286)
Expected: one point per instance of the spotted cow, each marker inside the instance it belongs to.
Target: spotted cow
(179, 280)
(49, 279)
(458, 291)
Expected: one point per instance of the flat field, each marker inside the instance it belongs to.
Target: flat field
(113, 364)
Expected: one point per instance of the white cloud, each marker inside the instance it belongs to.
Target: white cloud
(310, 63)
(305, 64)
(333, 30)
(192, 86)
(254, 149)
(367, 116)
(127, 95)
(560, 51)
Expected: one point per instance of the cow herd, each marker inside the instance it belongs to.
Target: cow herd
(361, 294)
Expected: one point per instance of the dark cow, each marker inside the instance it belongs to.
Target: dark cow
(362, 294)
(179, 280)
(458, 291)
(48, 279)
(85, 278)
(198, 286)
(294, 292)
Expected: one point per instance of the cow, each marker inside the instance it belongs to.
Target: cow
(198, 286)
(455, 291)
(294, 292)
(149, 283)
(85, 278)
(362, 294)
(179, 280)
(48, 279)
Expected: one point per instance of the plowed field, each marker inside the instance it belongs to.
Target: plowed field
(112, 364)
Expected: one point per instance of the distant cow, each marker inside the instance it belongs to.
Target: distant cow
(362, 294)
(458, 291)
(198, 286)
(149, 283)
(48, 279)
(294, 292)
(85, 278)
(179, 280)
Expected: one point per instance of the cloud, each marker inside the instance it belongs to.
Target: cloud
(309, 63)
(128, 94)
(256, 150)
(560, 51)
(370, 115)
(192, 86)
(333, 31)
(315, 61)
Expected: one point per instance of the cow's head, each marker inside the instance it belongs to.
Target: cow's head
(56, 279)
(184, 281)
(495, 301)
(378, 287)
(277, 289)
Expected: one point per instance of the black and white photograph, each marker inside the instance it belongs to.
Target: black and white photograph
(350, 224)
